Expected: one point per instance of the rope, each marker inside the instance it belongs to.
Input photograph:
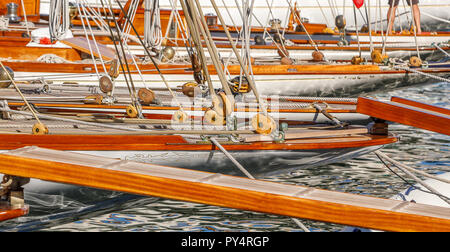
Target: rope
(357, 30)
(196, 42)
(93, 38)
(422, 73)
(20, 93)
(201, 24)
(59, 21)
(323, 13)
(440, 49)
(151, 58)
(250, 80)
(71, 120)
(304, 28)
(152, 24)
(381, 155)
(25, 16)
(367, 6)
(132, 89)
(396, 163)
(434, 17)
(243, 170)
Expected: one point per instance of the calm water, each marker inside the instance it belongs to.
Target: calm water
(365, 175)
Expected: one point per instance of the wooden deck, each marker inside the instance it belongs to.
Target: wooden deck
(224, 191)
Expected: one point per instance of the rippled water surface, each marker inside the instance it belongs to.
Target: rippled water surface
(417, 148)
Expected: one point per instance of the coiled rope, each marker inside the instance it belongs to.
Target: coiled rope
(59, 21)
(152, 24)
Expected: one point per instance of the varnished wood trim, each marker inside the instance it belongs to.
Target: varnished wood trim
(7, 213)
(334, 211)
(420, 105)
(133, 142)
(404, 114)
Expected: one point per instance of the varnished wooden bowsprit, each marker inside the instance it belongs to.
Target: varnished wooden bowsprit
(7, 212)
(225, 191)
(407, 112)
(420, 105)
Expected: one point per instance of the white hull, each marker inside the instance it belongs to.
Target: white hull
(269, 55)
(342, 85)
(413, 194)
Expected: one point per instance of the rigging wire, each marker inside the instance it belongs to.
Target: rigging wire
(131, 89)
(383, 156)
(151, 58)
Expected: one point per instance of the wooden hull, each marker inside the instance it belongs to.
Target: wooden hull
(258, 163)
(269, 53)
(341, 80)
(260, 158)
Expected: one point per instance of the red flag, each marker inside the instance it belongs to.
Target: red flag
(358, 3)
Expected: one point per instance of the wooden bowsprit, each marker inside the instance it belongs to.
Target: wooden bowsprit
(225, 191)
(407, 112)
(9, 212)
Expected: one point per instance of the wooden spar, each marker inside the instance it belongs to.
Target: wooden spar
(7, 212)
(225, 191)
(135, 142)
(420, 105)
(409, 113)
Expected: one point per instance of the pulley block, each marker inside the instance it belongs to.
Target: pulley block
(221, 104)
(5, 81)
(39, 129)
(286, 61)
(415, 61)
(378, 57)
(190, 89)
(179, 117)
(146, 96)
(105, 83)
(340, 22)
(263, 124)
(93, 99)
(212, 117)
(317, 56)
(240, 87)
(356, 60)
(132, 111)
